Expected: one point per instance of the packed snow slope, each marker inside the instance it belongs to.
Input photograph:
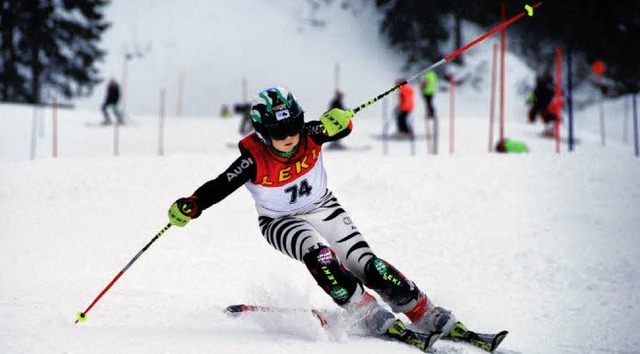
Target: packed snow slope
(542, 244)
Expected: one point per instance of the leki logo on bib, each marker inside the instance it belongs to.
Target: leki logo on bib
(286, 172)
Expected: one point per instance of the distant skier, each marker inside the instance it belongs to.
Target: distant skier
(429, 89)
(111, 101)
(281, 164)
(541, 98)
(404, 109)
(336, 102)
(245, 121)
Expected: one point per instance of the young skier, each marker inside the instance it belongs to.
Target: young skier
(281, 165)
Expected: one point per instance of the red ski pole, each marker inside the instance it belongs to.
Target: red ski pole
(82, 316)
(528, 11)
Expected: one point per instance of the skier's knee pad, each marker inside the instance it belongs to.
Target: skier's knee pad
(330, 275)
(387, 281)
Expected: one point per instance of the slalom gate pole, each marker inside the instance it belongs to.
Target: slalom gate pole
(492, 101)
(503, 16)
(452, 114)
(570, 97)
(163, 94)
(635, 125)
(34, 134)
(82, 316)
(54, 107)
(528, 11)
(558, 97)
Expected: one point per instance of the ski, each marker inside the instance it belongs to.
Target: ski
(236, 310)
(397, 332)
(488, 342)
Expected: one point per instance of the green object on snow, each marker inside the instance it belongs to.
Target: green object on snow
(511, 146)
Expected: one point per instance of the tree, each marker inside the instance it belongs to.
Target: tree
(49, 45)
(592, 29)
(415, 27)
(595, 31)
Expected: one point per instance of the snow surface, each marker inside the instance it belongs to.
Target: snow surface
(542, 244)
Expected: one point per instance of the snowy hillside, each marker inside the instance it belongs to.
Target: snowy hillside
(215, 44)
(542, 244)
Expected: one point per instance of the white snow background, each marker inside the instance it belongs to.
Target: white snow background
(542, 244)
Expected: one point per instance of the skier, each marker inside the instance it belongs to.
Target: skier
(111, 100)
(245, 122)
(281, 165)
(540, 99)
(336, 102)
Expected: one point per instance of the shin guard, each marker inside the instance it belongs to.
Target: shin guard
(330, 275)
(396, 290)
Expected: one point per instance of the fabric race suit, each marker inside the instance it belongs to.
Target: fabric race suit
(429, 90)
(298, 215)
(405, 107)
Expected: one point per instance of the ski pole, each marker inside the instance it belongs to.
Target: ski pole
(528, 11)
(82, 316)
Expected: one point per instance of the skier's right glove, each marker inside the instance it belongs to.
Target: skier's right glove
(183, 210)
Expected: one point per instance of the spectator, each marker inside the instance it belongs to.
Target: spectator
(429, 89)
(405, 107)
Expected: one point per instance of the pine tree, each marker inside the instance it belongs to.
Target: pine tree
(50, 45)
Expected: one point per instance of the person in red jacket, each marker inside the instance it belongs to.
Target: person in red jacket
(405, 107)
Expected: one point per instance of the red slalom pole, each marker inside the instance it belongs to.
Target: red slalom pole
(452, 128)
(503, 11)
(528, 11)
(493, 96)
(82, 316)
(54, 106)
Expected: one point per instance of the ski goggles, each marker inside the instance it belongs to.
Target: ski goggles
(287, 128)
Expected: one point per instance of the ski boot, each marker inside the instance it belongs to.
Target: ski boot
(428, 318)
(398, 331)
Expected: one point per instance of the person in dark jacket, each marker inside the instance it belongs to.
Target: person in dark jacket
(541, 98)
(111, 102)
(336, 102)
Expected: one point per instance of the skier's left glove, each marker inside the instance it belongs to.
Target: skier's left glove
(183, 210)
(336, 120)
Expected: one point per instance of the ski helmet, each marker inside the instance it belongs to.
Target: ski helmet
(276, 114)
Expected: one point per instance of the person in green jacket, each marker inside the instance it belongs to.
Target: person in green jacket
(429, 88)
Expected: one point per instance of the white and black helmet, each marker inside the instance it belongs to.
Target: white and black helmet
(276, 114)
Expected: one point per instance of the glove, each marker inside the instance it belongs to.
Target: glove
(336, 120)
(183, 210)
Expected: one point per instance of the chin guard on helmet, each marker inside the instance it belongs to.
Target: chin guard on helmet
(276, 114)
